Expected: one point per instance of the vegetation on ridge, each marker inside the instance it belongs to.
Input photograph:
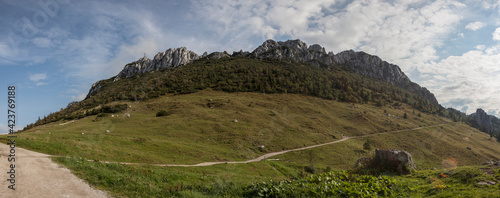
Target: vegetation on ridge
(241, 74)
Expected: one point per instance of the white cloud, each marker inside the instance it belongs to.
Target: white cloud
(496, 34)
(401, 32)
(475, 26)
(471, 80)
(38, 77)
(42, 42)
(480, 47)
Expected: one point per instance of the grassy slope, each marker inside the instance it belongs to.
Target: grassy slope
(202, 128)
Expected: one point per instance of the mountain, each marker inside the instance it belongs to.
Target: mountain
(274, 67)
(292, 50)
(483, 121)
(486, 123)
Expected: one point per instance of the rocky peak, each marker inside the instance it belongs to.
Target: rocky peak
(483, 121)
(266, 46)
(358, 62)
(317, 48)
(293, 50)
(295, 44)
(170, 58)
(372, 66)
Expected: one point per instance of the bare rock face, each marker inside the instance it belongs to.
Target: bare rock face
(358, 62)
(218, 55)
(368, 65)
(483, 121)
(293, 50)
(394, 160)
(170, 58)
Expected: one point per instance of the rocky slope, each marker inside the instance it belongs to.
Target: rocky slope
(292, 50)
(483, 121)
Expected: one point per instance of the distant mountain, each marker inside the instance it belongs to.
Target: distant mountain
(486, 123)
(292, 50)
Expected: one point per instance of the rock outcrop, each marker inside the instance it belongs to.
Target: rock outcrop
(372, 66)
(294, 50)
(170, 58)
(358, 62)
(483, 121)
(394, 160)
(391, 160)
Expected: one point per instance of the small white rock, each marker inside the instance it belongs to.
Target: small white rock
(107, 131)
(235, 120)
(83, 133)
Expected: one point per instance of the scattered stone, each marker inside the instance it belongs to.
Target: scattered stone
(492, 162)
(83, 133)
(469, 148)
(490, 183)
(107, 131)
(235, 120)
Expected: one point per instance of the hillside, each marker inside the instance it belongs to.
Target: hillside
(211, 126)
(217, 126)
(242, 74)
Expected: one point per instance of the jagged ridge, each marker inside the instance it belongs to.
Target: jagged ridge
(292, 50)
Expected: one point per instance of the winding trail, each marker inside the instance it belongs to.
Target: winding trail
(275, 153)
(37, 176)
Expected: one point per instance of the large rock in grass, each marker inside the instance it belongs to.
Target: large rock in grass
(394, 160)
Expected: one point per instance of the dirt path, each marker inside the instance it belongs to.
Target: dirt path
(37, 176)
(277, 153)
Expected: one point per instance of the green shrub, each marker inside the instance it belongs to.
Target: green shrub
(114, 109)
(332, 184)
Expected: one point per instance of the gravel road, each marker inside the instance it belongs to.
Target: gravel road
(37, 176)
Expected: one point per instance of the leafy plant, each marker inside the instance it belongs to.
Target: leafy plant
(331, 184)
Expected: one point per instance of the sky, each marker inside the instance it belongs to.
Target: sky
(54, 50)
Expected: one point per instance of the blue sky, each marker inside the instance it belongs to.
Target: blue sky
(53, 50)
